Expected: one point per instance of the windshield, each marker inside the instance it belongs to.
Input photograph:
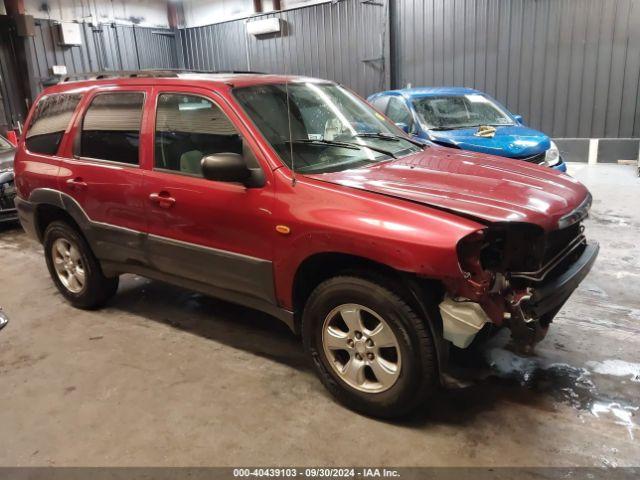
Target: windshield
(5, 145)
(329, 129)
(447, 112)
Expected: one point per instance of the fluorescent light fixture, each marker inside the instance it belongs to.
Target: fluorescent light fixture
(70, 33)
(264, 26)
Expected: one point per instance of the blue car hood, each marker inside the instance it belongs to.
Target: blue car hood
(513, 141)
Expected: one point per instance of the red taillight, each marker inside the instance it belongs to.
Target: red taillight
(12, 137)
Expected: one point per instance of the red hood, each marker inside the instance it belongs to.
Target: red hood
(485, 187)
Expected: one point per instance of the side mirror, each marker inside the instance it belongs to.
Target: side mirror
(403, 126)
(519, 119)
(231, 167)
(225, 167)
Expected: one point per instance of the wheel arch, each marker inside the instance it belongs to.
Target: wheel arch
(51, 205)
(319, 267)
(422, 294)
(46, 213)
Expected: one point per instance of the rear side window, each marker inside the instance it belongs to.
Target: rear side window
(189, 127)
(50, 119)
(111, 127)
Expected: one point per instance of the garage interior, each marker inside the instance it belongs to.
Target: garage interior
(167, 377)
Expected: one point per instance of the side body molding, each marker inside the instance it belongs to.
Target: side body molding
(230, 276)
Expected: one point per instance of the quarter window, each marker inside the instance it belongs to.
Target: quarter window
(189, 127)
(50, 120)
(111, 127)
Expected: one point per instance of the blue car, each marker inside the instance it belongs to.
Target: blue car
(467, 119)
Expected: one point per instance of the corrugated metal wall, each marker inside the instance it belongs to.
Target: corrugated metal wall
(215, 47)
(345, 41)
(109, 47)
(570, 67)
(12, 96)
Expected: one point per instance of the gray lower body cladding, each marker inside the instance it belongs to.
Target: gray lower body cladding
(234, 277)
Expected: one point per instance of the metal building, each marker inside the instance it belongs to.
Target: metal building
(570, 67)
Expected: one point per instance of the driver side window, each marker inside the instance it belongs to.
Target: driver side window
(188, 128)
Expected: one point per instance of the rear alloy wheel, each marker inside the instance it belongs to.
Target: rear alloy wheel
(74, 269)
(369, 347)
(68, 265)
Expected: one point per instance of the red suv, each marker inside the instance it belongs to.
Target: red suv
(295, 197)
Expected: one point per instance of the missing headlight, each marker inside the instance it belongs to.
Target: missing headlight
(502, 247)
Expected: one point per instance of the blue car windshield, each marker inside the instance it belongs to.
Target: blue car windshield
(449, 112)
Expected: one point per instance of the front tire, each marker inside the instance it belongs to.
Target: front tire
(370, 349)
(74, 269)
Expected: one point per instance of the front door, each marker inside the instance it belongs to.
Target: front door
(206, 232)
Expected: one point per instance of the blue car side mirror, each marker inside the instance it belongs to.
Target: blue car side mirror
(519, 119)
(403, 126)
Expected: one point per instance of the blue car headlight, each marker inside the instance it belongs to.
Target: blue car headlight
(552, 156)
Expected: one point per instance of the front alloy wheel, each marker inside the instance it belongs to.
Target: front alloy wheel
(361, 348)
(369, 347)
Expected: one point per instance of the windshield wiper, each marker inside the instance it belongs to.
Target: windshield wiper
(389, 136)
(382, 135)
(331, 143)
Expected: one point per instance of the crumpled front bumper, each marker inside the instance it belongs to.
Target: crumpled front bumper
(529, 317)
(552, 295)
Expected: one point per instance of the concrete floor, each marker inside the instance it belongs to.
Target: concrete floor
(163, 376)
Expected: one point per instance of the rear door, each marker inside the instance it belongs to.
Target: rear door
(210, 232)
(37, 157)
(104, 175)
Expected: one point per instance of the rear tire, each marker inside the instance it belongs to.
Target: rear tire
(74, 268)
(383, 376)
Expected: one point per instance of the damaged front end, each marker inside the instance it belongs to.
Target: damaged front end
(516, 275)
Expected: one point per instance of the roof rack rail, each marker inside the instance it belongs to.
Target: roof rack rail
(251, 72)
(186, 70)
(119, 74)
(145, 74)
